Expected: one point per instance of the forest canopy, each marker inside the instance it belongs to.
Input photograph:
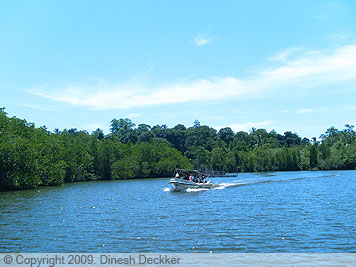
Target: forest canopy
(31, 157)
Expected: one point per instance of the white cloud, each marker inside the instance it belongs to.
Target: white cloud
(299, 111)
(133, 115)
(310, 69)
(348, 108)
(247, 126)
(284, 55)
(321, 67)
(38, 107)
(136, 95)
(92, 126)
(304, 111)
(201, 39)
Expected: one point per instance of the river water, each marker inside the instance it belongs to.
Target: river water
(272, 212)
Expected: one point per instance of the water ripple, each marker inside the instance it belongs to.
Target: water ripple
(267, 212)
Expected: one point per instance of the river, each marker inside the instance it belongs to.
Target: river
(271, 212)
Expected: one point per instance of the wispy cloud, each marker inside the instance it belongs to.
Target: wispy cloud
(246, 126)
(307, 70)
(285, 55)
(123, 96)
(300, 111)
(347, 108)
(333, 8)
(38, 107)
(324, 67)
(133, 115)
(92, 126)
(201, 39)
(304, 111)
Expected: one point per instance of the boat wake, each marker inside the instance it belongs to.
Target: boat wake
(249, 181)
(216, 187)
(226, 185)
(266, 179)
(188, 190)
(191, 190)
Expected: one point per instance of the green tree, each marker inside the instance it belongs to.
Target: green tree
(313, 156)
(226, 134)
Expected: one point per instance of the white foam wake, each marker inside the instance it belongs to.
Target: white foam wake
(189, 190)
(226, 185)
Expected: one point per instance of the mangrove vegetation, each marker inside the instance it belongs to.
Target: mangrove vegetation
(31, 157)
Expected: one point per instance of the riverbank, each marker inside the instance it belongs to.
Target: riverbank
(30, 156)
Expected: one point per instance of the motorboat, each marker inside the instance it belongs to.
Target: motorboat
(190, 179)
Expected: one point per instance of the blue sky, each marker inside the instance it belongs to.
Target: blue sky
(283, 65)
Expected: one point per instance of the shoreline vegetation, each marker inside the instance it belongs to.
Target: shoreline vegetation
(32, 157)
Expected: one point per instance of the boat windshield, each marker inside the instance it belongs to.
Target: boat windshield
(194, 173)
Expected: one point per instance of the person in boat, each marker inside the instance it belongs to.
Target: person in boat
(191, 177)
(177, 175)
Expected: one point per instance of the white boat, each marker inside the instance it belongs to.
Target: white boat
(190, 179)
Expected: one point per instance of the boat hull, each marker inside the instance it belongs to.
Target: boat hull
(182, 185)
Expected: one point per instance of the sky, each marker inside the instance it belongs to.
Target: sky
(278, 65)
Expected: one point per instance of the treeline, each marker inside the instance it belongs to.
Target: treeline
(31, 156)
(257, 150)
